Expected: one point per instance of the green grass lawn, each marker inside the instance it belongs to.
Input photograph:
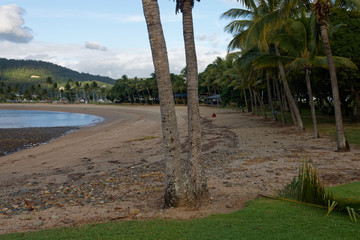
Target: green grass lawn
(261, 219)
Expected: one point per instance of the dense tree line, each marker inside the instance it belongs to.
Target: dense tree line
(20, 71)
(71, 91)
(283, 58)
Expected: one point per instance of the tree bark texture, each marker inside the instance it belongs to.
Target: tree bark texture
(311, 100)
(342, 144)
(245, 99)
(288, 93)
(176, 180)
(280, 101)
(194, 168)
(271, 105)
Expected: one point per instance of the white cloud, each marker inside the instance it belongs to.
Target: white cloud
(112, 63)
(11, 25)
(95, 46)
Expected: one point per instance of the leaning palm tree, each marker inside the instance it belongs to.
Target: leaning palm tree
(322, 10)
(196, 173)
(300, 41)
(261, 19)
(176, 186)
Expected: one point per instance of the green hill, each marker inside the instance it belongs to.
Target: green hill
(30, 72)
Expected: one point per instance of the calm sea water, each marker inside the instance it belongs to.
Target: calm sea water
(26, 118)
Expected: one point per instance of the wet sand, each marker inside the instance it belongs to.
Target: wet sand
(16, 139)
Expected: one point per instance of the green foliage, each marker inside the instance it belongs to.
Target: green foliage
(20, 71)
(307, 188)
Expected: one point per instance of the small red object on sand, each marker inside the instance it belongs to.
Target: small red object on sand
(213, 115)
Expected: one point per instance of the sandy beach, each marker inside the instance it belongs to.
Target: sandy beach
(114, 170)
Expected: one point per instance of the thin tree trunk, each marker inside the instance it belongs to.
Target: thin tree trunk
(342, 144)
(293, 117)
(284, 99)
(176, 180)
(251, 100)
(271, 106)
(261, 103)
(280, 101)
(289, 95)
(311, 100)
(195, 170)
(245, 99)
(255, 102)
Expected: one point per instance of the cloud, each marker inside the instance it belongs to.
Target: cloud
(95, 46)
(11, 25)
(112, 63)
(213, 38)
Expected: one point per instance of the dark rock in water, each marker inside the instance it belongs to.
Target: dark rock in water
(16, 139)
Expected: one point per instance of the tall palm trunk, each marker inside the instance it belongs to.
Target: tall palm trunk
(311, 100)
(255, 102)
(288, 93)
(280, 101)
(251, 100)
(196, 172)
(261, 103)
(342, 144)
(245, 99)
(175, 172)
(271, 105)
(322, 10)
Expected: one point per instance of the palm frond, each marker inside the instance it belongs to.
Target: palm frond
(237, 26)
(236, 13)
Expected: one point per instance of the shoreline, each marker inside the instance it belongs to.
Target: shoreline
(16, 139)
(115, 169)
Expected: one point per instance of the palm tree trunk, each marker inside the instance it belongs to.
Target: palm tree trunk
(311, 100)
(342, 144)
(195, 170)
(245, 99)
(261, 103)
(255, 102)
(288, 93)
(175, 171)
(271, 106)
(251, 100)
(280, 101)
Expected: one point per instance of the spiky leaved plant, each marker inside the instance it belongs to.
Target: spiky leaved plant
(306, 188)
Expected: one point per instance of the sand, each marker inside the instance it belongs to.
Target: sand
(114, 170)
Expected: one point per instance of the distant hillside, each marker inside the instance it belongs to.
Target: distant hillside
(31, 72)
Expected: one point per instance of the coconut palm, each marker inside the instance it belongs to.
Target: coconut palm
(196, 172)
(176, 187)
(260, 21)
(302, 42)
(322, 10)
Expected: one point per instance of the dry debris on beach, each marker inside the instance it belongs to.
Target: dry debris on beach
(100, 173)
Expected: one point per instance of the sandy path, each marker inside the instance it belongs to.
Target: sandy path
(100, 173)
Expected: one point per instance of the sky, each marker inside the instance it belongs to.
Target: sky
(107, 38)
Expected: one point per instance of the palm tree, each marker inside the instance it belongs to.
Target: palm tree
(176, 182)
(94, 88)
(260, 21)
(197, 175)
(49, 82)
(300, 41)
(322, 10)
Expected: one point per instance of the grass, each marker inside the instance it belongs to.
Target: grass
(326, 125)
(260, 219)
